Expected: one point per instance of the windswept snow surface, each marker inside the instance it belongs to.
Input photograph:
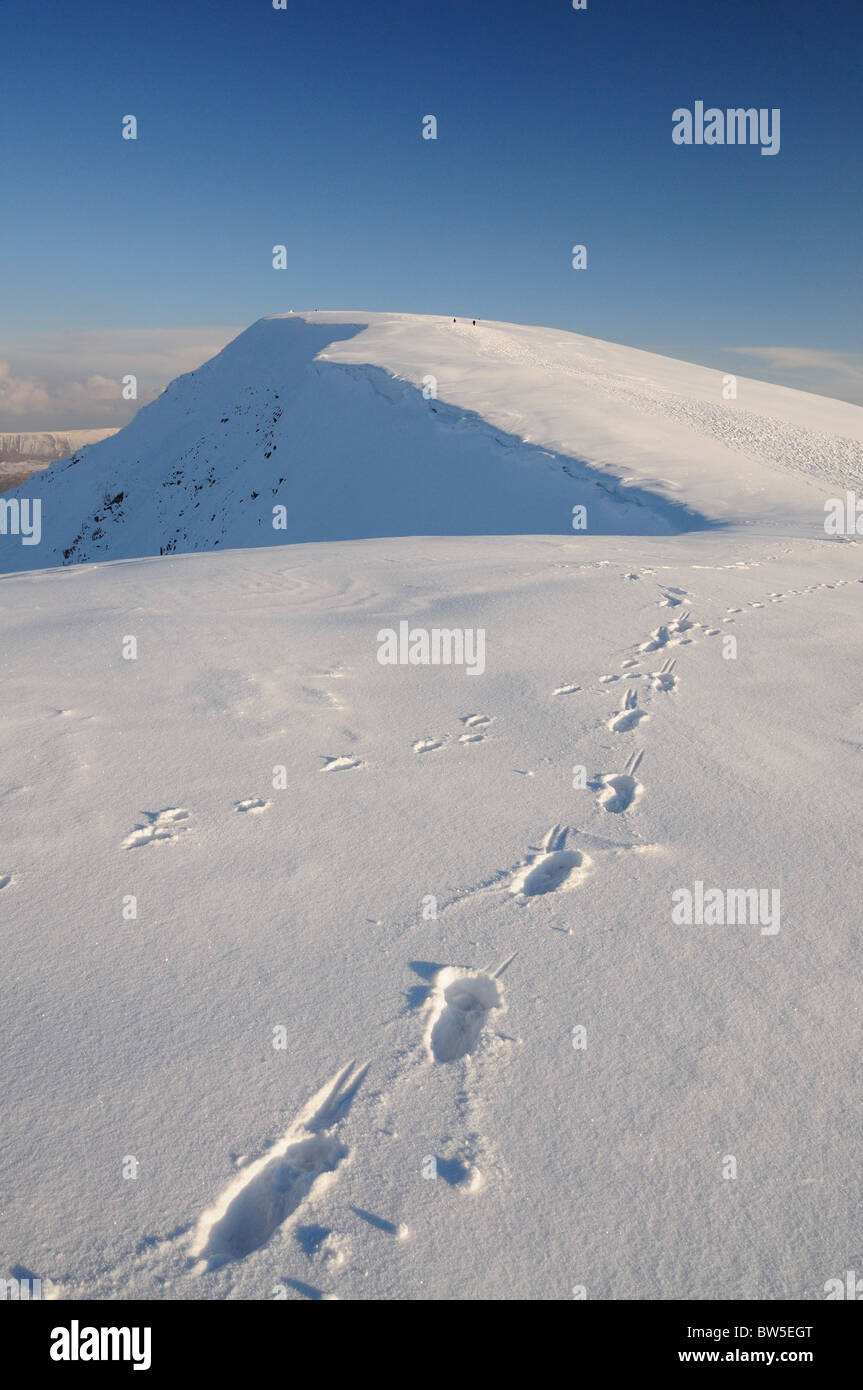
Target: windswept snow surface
(427, 1028)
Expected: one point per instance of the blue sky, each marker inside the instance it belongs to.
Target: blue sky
(303, 127)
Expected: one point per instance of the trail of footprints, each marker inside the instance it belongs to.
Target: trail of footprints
(160, 827)
(619, 791)
(459, 1006)
(474, 729)
(460, 1009)
(305, 1160)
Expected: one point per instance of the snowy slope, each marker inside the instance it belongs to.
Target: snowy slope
(302, 908)
(289, 1073)
(325, 416)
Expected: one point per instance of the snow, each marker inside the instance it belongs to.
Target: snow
(286, 1038)
(23, 454)
(46, 446)
(324, 415)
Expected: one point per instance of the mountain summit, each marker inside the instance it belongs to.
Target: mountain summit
(342, 426)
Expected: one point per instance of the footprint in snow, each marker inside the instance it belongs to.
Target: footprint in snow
(549, 868)
(340, 764)
(428, 745)
(459, 1007)
(267, 1191)
(619, 790)
(665, 633)
(252, 804)
(475, 727)
(682, 624)
(664, 679)
(671, 598)
(629, 714)
(159, 826)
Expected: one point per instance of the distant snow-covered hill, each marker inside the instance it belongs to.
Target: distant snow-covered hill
(24, 454)
(338, 426)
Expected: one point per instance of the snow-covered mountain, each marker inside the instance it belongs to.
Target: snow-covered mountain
(24, 454)
(330, 978)
(337, 426)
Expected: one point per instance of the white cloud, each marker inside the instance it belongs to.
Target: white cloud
(20, 394)
(811, 369)
(73, 380)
